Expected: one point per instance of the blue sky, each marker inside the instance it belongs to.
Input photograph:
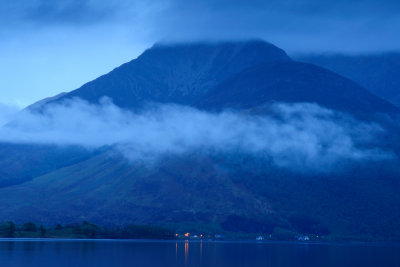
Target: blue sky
(52, 46)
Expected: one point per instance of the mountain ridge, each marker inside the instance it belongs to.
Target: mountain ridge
(189, 74)
(165, 73)
(379, 73)
(224, 191)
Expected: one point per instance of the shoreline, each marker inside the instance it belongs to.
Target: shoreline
(249, 241)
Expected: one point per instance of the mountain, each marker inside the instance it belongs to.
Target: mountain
(292, 82)
(179, 73)
(23, 162)
(212, 75)
(379, 73)
(42, 102)
(219, 191)
(217, 194)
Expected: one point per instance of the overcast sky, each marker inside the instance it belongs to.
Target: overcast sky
(47, 47)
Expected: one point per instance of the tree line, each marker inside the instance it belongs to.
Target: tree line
(84, 230)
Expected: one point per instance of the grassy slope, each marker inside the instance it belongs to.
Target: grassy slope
(110, 190)
(23, 162)
(211, 192)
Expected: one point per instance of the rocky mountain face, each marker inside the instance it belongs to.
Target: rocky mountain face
(225, 75)
(218, 191)
(180, 73)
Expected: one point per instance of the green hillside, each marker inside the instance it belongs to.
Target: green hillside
(215, 193)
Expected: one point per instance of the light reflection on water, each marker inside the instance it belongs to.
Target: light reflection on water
(186, 251)
(192, 253)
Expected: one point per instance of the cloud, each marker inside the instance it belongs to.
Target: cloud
(296, 136)
(307, 25)
(75, 12)
(311, 25)
(7, 113)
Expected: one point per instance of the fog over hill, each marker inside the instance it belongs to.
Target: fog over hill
(296, 136)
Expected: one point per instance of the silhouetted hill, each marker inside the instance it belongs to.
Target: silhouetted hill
(226, 75)
(199, 193)
(23, 162)
(176, 73)
(293, 82)
(379, 73)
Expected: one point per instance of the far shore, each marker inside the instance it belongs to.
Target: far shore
(266, 242)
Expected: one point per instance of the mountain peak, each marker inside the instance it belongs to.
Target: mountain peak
(178, 72)
(256, 45)
(256, 51)
(241, 74)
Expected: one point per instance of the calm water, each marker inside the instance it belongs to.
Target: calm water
(181, 253)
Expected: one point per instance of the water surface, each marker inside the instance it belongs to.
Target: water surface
(116, 253)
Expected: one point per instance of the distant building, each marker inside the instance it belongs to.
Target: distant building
(259, 238)
(303, 238)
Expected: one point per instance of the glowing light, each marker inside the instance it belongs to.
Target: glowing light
(187, 234)
(186, 251)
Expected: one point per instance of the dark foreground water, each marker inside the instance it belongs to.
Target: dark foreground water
(170, 253)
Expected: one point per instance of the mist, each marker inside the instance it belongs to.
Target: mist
(299, 136)
(7, 112)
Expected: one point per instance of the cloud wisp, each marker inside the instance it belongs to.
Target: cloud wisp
(7, 112)
(295, 136)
